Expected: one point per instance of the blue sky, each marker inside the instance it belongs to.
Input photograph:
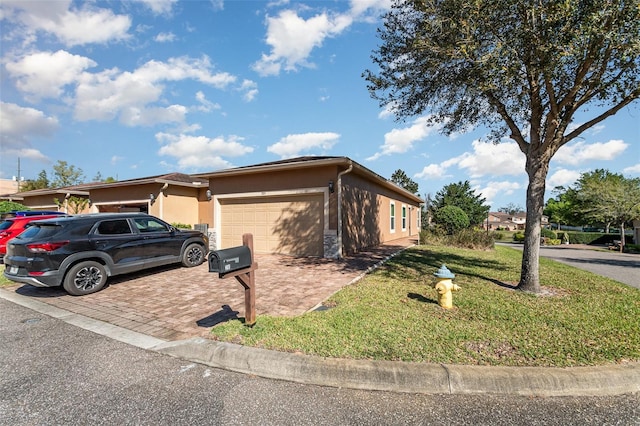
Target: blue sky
(130, 89)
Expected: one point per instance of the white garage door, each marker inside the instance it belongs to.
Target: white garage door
(285, 224)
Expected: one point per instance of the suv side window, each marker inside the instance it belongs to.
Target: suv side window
(114, 227)
(150, 225)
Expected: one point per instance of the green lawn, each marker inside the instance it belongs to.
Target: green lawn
(392, 314)
(3, 281)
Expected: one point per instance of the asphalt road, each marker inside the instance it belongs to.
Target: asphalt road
(53, 373)
(622, 267)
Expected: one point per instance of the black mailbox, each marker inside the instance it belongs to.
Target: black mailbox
(229, 260)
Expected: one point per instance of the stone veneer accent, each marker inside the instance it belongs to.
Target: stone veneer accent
(331, 249)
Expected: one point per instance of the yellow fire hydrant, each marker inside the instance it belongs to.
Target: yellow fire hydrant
(444, 287)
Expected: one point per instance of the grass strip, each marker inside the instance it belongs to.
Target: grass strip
(392, 314)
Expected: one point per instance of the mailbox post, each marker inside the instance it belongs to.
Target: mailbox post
(238, 262)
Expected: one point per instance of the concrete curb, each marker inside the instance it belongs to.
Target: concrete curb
(363, 374)
(409, 377)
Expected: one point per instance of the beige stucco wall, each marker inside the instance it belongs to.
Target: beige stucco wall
(178, 205)
(367, 214)
(279, 181)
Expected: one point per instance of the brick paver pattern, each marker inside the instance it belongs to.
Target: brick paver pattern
(175, 303)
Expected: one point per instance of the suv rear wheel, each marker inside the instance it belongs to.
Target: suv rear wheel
(193, 255)
(85, 278)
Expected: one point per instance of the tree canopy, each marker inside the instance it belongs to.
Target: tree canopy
(461, 195)
(66, 175)
(400, 178)
(605, 197)
(523, 69)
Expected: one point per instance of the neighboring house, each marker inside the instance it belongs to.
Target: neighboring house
(509, 222)
(8, 186)
(307, 206)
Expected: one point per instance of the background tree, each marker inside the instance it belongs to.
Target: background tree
(66, 175)
(511, 208)
(461, 195)
(41, 182)
(563, 208)
(451, 218)
(520, 68)
(609, 198)
(400, 178)
(98, 178)
(73, 204)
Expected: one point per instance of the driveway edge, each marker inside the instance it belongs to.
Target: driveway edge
(409, 377)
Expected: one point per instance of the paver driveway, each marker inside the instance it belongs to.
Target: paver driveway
(176, 303)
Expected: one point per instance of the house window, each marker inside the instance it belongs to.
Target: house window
(393, 216)
(404, 218)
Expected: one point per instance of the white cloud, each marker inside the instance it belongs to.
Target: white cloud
(72, 26)
(128, 95)
(45, 74)
(292, 39)
(198, 152)
(487, 159)
(493, 189)
(581, 152)
(159, 7)
(360, 7)
(293, 145)
(18, 125)
(437, 171)
(250, 89)
(399, 141)
(432, 172)
(165, 37)
(562, 177)
(632, 169)
(490, 159)
(205, 104)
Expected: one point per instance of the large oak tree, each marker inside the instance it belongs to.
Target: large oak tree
(522, 68)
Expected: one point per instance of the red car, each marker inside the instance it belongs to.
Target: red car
(11, 227)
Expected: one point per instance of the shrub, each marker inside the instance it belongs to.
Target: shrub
(518, 237)
(472, 239)
(452, 218)
(8, 206)
(180, 225)
(553, 241)
(466, 238)
(547, 233)
(632, 248)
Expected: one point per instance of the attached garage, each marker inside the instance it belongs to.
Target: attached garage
(287, 224)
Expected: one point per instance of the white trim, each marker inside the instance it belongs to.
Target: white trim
(403, 217)
(392, 217)
(266, 194)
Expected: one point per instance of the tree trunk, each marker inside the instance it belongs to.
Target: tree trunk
(530, 272)
(622, 239)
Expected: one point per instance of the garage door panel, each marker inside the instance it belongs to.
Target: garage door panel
(288, 225)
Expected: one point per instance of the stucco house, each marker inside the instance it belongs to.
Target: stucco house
(509, 222)
(306, 206)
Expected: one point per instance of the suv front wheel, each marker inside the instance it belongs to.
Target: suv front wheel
(194, 255)
(85, 278)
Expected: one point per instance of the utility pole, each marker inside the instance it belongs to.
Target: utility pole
(17, 179)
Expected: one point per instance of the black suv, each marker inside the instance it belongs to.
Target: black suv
(80, 252)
